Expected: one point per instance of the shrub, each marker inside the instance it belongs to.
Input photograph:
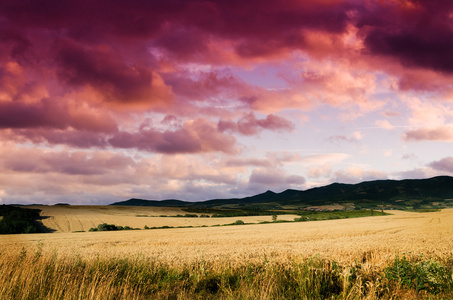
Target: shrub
(238, 222)
(427, 275)
(107, 227)
(190, 216)
(111, 227)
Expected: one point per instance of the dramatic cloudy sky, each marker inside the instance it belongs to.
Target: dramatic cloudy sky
(101, 101)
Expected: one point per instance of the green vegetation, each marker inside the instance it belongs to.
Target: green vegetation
(305, 216)
(227, 213)
(421, 275)
(111, 227)
(238, 222)
(38, 276)
(332, 215)
(187, 216)
(425, 210)
(18, 220)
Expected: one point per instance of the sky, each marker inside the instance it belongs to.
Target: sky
(102, 101)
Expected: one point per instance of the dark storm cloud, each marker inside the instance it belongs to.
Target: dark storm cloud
(114, 57)
(417, 33)
(104, 71)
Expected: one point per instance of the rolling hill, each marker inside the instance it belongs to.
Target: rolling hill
(389, 194)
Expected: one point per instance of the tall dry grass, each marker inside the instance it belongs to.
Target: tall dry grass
(36, 275)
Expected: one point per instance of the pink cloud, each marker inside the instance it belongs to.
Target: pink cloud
(445, 164)
(26, 160)
(195, 136)
(174, 78)
(52, 114)
(441, 133)
(391, 113)
(199, 86)
(320, 171)
(354, 138)
(384, 124)
(244, 162)
(51, 137)
(184, 28)
(104, 70)
(42, 114)
(428, 113)
(357, 174)
(250, 125)
(274, 178)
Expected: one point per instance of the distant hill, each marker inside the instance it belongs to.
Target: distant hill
(396, 194)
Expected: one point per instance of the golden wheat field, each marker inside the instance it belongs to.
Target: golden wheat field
(343, 240)
(357, 258)
(67, 218)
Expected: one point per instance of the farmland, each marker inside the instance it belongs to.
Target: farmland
(372, 242)
(82, 218)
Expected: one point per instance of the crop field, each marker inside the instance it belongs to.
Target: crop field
(336, 259)
(67, 218)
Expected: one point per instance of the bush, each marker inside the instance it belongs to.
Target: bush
(107, 227)
(190, 216)
(238, 222)
(111, 227)
(427, 275)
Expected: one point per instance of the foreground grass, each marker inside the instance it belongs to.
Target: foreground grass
(47, 276)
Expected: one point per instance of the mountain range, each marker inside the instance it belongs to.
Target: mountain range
(436, 192)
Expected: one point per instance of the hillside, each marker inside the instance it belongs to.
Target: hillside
(390, 194)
